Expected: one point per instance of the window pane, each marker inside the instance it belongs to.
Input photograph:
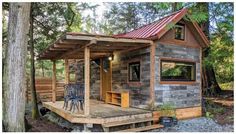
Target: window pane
(177, 71)
(179, 32)
(134, 71)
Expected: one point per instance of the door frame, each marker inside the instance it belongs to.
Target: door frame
(101, 78)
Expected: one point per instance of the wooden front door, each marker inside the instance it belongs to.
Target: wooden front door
(106, 77)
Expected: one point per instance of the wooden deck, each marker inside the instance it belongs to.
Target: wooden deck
(100, 113)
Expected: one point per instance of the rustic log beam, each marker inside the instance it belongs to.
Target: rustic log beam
(67, 73)
(81, 47)
(57, 49)
(152, 71)
(86, 80)
(59, 45)
(101, 72)
(107, 39)
(54, 79)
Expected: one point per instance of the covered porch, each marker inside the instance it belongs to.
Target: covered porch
(86, 48)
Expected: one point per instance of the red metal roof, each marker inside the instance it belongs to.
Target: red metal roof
(155, 29)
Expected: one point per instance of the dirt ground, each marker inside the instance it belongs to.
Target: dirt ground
(222, 107)
(43, 125)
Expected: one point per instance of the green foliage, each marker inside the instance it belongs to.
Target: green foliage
(173, 71)
(209, 115)
(227, 86)
(151, 106)
(221, 47)
(213, 109)
(168, 109)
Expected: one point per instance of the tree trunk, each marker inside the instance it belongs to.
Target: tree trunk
(174, 6)
(14, 74)
(210, 84)
(42, 65)
(35, 112)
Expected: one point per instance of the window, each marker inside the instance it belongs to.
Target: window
(179, 32)
(178, 71)
(134, 71)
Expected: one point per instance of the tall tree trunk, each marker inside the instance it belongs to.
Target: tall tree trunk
(210, 84)
(35, 111)
(174, 6)
(14, 75)
(42, 66)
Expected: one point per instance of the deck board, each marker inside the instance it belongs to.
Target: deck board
(99, 112)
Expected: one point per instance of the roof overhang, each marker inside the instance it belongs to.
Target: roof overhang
(71, 46)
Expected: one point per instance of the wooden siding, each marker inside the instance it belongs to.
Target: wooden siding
(44, 89)
(190, 40)
(185, 113)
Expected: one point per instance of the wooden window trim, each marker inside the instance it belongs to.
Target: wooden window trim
(178, 82)
(184, 39)
(139, 71)
(134, 82)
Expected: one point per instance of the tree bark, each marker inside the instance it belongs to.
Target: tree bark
(210, 84)
(14, 74)
(174, 6)
(35, 111)
(42, 68)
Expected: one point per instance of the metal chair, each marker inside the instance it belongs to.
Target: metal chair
(78, 99)
(68, 95)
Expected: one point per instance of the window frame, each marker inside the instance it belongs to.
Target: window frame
(176, 81)
(184, 27)
(134, 62)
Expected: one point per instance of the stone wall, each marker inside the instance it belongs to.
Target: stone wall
(94, 77)
(139, 91)
(179, 94)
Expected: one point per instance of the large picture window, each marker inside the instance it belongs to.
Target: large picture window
(134, 71)
(178, 71)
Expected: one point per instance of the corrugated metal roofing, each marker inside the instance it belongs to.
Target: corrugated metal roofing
(154, 29)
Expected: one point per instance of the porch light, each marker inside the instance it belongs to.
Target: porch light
(110, 57)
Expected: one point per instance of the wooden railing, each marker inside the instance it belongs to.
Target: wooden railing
(44, 89)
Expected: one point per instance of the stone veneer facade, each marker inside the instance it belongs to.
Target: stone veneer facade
(179, 94)
(94, 78)
(139, 91)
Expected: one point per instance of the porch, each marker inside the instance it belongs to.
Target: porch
(87, 48)
(100, 113)
(110, 117)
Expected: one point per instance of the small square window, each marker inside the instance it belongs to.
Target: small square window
(134, 71)
(179, 32)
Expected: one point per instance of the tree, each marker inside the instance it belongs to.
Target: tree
(14, 82)
(35, 111)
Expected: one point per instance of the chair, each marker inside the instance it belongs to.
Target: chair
(78, 97)
(68, 95)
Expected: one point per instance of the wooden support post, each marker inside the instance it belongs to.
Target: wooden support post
(201, 85)
(101, 72)
(67, 73)
(110, 62)
(86, 80)
(152, 72)
(54, 79)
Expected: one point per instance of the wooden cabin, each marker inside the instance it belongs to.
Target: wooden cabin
(157, 63)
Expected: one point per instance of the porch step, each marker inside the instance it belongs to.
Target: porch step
(127, 122)
(140, 129)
